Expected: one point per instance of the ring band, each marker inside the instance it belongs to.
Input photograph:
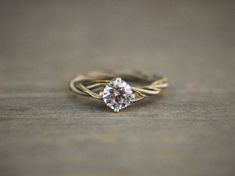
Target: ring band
(116, 93)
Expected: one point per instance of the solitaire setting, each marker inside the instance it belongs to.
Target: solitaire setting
(117, 94)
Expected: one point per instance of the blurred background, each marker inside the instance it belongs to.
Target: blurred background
(44, 130)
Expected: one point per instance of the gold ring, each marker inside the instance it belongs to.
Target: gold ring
(114, 91)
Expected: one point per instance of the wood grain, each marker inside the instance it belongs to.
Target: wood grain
(46, 130)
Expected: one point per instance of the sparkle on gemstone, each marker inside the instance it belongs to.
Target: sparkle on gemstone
(117, 94)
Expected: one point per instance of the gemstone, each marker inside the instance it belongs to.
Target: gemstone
(117, 94)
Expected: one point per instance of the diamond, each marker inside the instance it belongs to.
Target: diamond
(117, 94)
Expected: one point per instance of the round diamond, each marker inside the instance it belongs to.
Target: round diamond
(117, 94)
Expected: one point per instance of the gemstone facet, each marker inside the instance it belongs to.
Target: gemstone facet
(117, 94)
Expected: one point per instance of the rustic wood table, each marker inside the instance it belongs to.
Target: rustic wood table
(45, 130)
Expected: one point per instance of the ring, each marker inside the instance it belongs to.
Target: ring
(114, 91)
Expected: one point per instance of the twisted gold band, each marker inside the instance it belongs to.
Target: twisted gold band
(92, 84)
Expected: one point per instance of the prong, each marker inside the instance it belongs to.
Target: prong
(101, 94)
(116, 110)
(132, 96)
(118, 79)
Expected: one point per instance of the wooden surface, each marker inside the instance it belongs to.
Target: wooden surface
(46, 131)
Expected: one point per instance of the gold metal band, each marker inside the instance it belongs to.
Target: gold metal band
(91, 84)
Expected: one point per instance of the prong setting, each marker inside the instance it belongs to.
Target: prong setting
(117, 94)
